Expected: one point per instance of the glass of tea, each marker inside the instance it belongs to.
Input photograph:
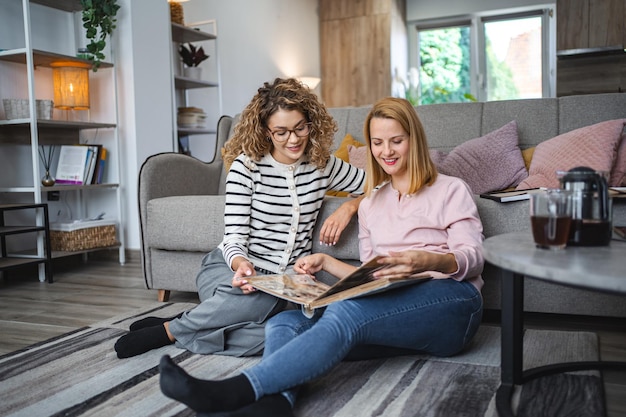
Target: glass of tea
(551, 217)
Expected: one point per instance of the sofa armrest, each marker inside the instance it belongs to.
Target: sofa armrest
(170, 174)
(167, 175)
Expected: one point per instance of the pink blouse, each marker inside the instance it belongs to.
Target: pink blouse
(441, 218)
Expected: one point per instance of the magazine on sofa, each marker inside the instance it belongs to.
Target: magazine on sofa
(305, 290)
(511, 195)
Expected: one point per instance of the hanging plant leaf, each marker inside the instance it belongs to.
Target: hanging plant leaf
(99, 20)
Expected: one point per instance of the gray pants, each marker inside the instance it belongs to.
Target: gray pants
(226, 322)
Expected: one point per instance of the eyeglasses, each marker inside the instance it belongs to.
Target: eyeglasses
(283, 135)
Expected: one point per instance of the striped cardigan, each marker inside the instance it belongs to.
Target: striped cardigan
(271, 208)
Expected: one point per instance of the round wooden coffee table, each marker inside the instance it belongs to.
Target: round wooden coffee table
(594, 268)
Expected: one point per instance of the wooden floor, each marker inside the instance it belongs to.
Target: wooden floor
(87, 291)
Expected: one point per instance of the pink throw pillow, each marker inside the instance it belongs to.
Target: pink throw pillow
(618, 175)
(489, 163)
(592, 146)
(358, 156)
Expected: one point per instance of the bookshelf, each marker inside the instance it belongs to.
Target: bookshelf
(27, 65)
(204, 93)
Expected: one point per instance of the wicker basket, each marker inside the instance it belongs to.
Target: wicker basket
(18, 108)
(82, 235)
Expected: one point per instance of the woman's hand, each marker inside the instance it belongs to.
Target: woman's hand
(403, 264)
(335, 224)
(243, 269)
(310, 264)
(316, 262)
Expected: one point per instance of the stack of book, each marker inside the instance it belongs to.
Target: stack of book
(81, 164)
(511, 195)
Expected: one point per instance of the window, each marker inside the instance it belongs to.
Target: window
(499, 56)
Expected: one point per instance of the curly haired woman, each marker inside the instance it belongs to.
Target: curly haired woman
(279, 169)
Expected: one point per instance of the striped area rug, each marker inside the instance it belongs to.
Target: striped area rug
(78, 374)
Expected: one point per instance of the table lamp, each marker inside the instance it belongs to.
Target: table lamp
(71, 85)
(310, 82)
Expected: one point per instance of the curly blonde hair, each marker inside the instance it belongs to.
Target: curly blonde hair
(252, 137)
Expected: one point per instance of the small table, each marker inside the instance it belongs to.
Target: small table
(595, 268)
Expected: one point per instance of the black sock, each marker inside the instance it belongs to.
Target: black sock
(204, 395)
(140, 341)
(151, 321)
(274, 405)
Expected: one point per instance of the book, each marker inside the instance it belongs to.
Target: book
(508, 196)
(89, 165)
(617, 192)
(99, 174)
(71, 166)
(305, 290)
(94, 163)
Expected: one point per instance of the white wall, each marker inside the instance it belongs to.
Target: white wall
(257, 41)
(144, 96)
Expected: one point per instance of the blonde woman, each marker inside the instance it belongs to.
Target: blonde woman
(280, 168)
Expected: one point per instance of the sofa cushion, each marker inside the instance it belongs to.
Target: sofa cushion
(448, 125)
(488, 163)
(527, 154)
(618, 174)
(342, 153)
(342, 150)
(185, 223)
(358, 156)
(592, 146)
(537, 119)
(347, 247)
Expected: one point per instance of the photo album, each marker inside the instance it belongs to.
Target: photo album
(305, 290)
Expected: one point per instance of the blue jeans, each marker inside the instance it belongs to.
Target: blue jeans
(438, 317)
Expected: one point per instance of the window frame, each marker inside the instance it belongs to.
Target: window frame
(478, 62)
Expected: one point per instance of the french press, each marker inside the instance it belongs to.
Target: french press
(591, 206)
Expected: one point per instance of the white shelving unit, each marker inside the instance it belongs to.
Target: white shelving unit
(9, 261)
(187, 90)
(31, 132)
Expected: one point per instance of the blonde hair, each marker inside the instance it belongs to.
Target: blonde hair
(421, 168)
(252, 137)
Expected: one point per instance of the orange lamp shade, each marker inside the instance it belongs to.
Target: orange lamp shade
(71, 85)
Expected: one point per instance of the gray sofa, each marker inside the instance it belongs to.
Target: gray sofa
(181, 200)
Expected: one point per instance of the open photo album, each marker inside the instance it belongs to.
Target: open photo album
(305, 290)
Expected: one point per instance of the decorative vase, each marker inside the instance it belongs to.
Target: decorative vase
(47, 180)
(193, 72)
(176, 13)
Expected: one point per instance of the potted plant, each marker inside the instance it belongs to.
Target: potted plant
(99, 21)
(192, 57)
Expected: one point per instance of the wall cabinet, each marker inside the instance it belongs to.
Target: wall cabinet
(202, 93)
(361, 44)
(590, 24)
(590, 47)
(22, 138)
